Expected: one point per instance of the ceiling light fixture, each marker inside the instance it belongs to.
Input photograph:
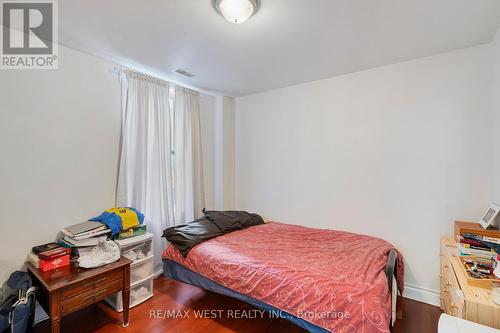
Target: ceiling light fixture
(236, 11)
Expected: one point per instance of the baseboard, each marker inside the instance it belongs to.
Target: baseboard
(423, 295)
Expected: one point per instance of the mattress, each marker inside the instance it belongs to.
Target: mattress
(332, 279)
(176, 271)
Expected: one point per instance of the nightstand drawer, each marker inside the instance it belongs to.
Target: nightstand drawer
(90, 297)
(77, 303)
(94, 284)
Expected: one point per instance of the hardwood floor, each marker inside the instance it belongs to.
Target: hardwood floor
(177, 297)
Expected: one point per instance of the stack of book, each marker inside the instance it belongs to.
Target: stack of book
(83, 236)
(49, 256)
(477, 242)
(478, 246)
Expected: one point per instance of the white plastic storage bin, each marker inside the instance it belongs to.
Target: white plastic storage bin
(141, 269)
(139, 249)
(136, 248)
(139, 293)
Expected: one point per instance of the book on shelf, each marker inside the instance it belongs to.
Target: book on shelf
(33, 259)
(63, 243)
(474, 243)
(54, 253)
(86, 235)
(482, 238)
(44, 247)
(84, 229)
(93, 241)
(466, 250)
(488, 241)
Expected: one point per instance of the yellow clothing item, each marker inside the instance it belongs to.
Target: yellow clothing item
(129, 217)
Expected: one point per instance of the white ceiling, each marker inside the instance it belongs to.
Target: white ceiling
(285, 43)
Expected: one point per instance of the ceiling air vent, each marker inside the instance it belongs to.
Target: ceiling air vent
(184, 72)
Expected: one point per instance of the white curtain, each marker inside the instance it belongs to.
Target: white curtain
(145, 175)
(189, 190)
(161, 171)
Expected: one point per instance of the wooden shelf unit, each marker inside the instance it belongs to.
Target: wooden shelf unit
(460, 299)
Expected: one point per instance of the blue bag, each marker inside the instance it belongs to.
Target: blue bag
(17, 312)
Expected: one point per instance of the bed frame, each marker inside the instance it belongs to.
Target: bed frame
(176, 271)
(391, 272)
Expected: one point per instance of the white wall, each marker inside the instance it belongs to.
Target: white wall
(59, 138)
(59, 142)
(396, 152)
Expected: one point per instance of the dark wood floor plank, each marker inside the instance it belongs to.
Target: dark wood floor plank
(171, 295)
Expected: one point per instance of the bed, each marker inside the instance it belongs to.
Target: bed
(322, 280)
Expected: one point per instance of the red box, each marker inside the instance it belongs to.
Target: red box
(47, 265)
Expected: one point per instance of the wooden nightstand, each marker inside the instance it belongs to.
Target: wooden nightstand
(458, 297)
(71, 288)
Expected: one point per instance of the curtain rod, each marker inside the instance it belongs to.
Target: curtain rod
(118, 69)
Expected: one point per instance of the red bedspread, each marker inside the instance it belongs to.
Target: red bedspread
(332, 279)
